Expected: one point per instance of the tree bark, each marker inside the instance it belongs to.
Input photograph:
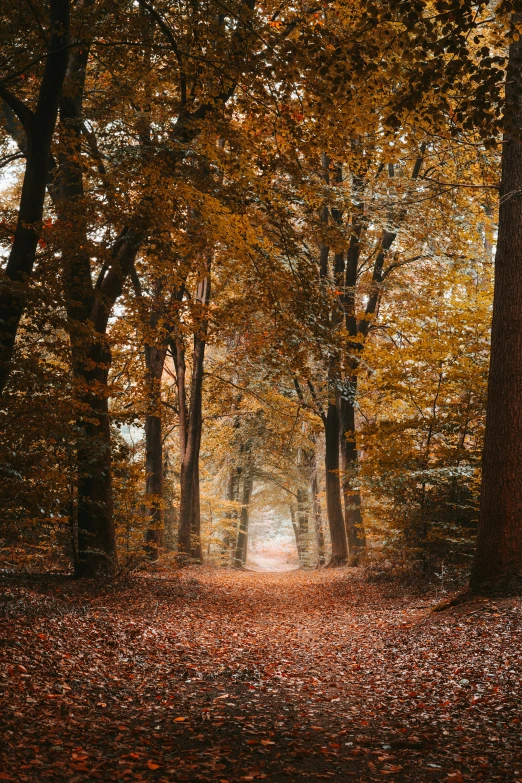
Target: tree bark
(195, 526)
(233, 497)
(349, 467)
(318, 522)
(154, 484)
(295, 528)
(88, 310)
(155, 354)
(303, 526)
(96, 553)
(333, 488)
(242, 533)
(192, 427)
(497, 566)
(39, 128)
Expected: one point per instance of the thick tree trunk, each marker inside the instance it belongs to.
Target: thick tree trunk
(39, 127)
(333, 488)
(497, 567)
(96, 554)
(349, 468)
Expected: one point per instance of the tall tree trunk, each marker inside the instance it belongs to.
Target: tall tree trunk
(303, 526)
(39, 128)
(96, 554)
(155, 355)
(242, 533)
(190, 457)
(229, 539)
(333, 487)
(318, 522)
(295, 528)
(497, 567)
(154, 484)
(197, 550)
(88, 310)
(349, 467)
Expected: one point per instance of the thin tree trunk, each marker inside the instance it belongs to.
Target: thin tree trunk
(196, 551)
(242, 533)
(333, 488)
(497, 566)
(349, 467)
(295, 528)
(154, 484)
(39, 128)
(303, 526)
(233, 497)
(193, 431)
(318, 522)
(154, 363)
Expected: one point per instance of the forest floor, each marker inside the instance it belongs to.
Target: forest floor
(212, 675)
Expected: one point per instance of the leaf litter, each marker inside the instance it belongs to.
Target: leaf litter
(214, 675)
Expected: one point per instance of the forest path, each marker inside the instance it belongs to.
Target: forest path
(213, 675)
(269, 565)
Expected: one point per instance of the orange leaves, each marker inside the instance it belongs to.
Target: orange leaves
(308, 626)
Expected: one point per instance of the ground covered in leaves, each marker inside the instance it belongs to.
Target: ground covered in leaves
(210, 675)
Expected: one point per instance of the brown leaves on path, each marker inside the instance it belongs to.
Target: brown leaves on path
(224, 676)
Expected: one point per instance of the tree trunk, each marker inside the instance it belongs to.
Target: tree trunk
(497, 567)
(318, 522)
(333, 488)
(295, 528)
(39, 127)
(96, 553)
(154, 363)
(196, 551)
(303, 525)
(349, 465)
(154, 484)
(233, 497)
(242, 533)
(190, 456)
(187, 481)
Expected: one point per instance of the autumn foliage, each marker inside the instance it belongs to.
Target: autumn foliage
(249, 270)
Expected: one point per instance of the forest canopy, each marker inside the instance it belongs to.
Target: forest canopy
(248, 255)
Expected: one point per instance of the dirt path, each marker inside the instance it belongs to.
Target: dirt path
(269, 565)
(227, 677)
